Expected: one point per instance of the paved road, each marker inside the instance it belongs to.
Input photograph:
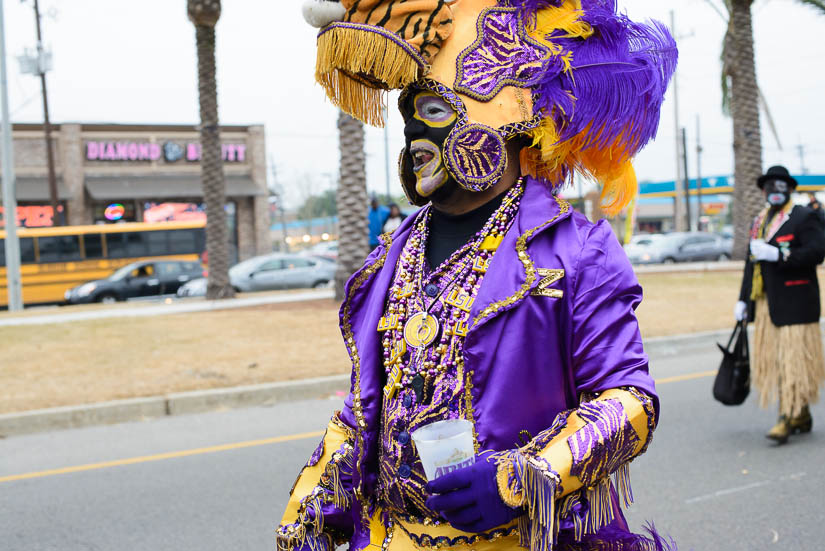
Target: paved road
(710, 479)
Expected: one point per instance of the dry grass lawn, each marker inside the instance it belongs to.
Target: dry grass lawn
(92, 361)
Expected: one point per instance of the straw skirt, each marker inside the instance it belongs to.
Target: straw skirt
(787, 362)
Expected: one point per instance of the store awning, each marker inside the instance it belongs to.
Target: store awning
(124, 188)
(36, 188)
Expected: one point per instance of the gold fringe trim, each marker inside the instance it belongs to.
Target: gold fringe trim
(787, 363)
(355, 67)
(540, 520)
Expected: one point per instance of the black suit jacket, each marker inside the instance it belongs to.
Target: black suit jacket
(791, 284)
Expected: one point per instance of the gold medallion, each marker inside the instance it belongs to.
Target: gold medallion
(421, 330)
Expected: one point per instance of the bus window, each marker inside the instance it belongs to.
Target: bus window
(183, 242)
(94, 245)
(116, 245)
(26, 251)
(157, 243)
(59, 248)
(135, 244)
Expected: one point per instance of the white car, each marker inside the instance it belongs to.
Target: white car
(194, 288)
(271, 271)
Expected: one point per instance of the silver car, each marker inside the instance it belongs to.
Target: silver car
(281, 271)
(681, 247)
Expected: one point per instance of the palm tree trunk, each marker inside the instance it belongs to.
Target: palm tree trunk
(747, 137)
(212, 180)
(353, 245)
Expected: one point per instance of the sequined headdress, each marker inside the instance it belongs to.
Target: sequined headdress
(580, 81)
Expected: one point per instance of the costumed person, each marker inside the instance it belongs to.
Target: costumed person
(394, 219)
(495, 303)
(780, 291)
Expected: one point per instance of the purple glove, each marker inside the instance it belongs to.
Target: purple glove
(468, 498)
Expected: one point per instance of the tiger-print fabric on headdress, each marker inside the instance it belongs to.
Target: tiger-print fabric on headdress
(424, 24)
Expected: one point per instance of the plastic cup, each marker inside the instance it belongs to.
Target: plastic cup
(445, 446)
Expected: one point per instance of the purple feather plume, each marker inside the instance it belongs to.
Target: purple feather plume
(620, 75)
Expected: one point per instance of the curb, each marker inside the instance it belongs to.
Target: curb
(140, 409)
(201, 401)
(718, 266)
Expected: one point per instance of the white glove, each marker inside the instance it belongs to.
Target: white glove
(740, 311)
(764, 252)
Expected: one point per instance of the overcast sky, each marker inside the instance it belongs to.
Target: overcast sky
(134, 62)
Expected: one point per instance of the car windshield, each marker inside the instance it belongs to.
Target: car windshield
(122, 272)
(645, 240)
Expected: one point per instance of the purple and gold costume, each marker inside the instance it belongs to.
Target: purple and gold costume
(531, 356)
(529, 331)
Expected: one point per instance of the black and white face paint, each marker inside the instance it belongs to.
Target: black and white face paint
(777, 193)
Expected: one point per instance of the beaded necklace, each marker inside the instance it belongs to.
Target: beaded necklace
(425, 308)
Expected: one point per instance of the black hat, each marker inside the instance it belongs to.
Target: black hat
(776, 173)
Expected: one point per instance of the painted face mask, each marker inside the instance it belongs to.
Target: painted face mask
(576, 81)
(428, 121)
(778, 193)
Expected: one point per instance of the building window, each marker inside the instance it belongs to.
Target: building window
(113, 212)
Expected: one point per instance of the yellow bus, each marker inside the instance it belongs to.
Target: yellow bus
(58, 258)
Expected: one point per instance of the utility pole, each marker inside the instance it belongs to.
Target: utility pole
(14, 291)
(387, 149)
(699, 151)
(677, 207)
(686, 180)
(279, 202)
(58, 216)
(801, 149)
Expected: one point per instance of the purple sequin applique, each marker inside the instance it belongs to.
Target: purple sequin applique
(502, 55)
(476, 156)
(317, 454)
(604, 444)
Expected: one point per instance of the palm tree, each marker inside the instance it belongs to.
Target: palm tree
(351, 198)
(204, 14)
(741, 99)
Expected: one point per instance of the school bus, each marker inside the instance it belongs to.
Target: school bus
(58, 258)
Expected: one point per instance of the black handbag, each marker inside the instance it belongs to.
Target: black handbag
(732, 383)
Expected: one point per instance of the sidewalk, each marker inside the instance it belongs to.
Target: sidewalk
(36, 316)
(184, 306)
(335, 387)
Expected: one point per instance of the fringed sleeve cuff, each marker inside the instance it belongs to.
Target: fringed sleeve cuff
(317, 513)
(565, 471)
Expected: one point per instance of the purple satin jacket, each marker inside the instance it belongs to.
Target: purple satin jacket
(536, 342)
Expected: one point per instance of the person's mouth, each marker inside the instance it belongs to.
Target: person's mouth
(423, 152)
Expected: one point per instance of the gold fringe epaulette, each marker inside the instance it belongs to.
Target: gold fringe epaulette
(357, 63)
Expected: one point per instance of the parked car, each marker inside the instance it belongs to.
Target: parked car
(193, 288)
(139, 279)
(641, 244)
(325, 249)
(281, 271)
(681, 247)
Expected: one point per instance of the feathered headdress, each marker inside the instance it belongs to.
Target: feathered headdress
(580, 80)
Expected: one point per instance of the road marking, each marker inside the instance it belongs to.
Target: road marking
(239, 445)
(680, 378)
(162, 456)
(735, 490)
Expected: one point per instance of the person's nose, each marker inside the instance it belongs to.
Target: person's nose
(414, 129)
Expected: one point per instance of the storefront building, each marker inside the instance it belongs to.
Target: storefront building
(108, 173)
